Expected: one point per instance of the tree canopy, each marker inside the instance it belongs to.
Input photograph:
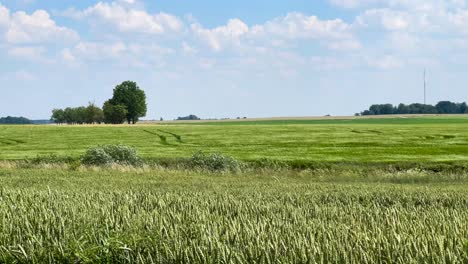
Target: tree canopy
(127, 104)
(11, 120)
(133, 98)
(114, 114)
(189, 117)
(78, 115)
(444, 107)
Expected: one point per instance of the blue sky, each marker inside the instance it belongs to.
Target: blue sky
(232, 58)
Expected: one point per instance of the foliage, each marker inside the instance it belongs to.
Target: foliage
(11, 120)
(189, 117)
(58, 116)
(111, 154)
(444, 107)
(78, 115)
(128, 103)
(214, 162)
(114, 114)
(130, 95)
(94, 114)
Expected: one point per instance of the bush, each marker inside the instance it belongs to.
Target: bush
(214, 162)
(111, 154)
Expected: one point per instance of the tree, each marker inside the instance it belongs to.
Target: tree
(133, 98)
(94, 114)
(114, 114)
(463, 108)
(58, 116)
(403, 109)
(447, 107)
(80, 115)
(190, 117)
(11, 120)
(69, 115)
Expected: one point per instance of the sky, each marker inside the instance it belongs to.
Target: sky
(217, 59)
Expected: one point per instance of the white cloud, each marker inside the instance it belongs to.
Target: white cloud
(98, 51)
(128, 19)
(300, 26)
(345, 45)
(219, 36)
(68, 56)
(21, 28)
(406, 4)
(30, 53)
(386, 18)
(460, 20)
(4, 16)
(292, 27)
(130, 2)
(353, 3)
(119, 51)
(386, 62)
(187, 49)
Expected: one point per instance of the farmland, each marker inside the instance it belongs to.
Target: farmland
(144, 216)
(435, 139)
(350, 212)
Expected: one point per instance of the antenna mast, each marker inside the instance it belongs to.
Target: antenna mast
(424, 86)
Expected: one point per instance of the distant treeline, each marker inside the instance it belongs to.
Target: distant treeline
(189, 117)
(11, 120)
(444, 107)
(78, 115)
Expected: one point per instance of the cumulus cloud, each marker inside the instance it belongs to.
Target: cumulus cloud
(119, 51)
(126, 18)
(386, 18)
(30, 53)
(230, 34)
(4, 16)
(38, 27)
(292, 27)
(300, 26)
(413, 4)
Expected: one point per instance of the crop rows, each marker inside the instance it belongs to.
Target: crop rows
(185, 219)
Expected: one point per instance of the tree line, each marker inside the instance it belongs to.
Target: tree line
(12, 120)
(127, 104)
(443, 107)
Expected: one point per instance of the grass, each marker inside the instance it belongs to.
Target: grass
(373, 191)
(431, 139)
(145, 215)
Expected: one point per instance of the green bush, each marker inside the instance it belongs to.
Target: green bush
(214, 162)
(111, 154)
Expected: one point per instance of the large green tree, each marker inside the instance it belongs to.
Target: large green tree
(130, 95)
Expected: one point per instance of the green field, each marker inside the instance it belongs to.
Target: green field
(434, 139)
(161, 216)
(343, 212)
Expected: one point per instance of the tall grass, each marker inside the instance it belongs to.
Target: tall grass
(140, 216)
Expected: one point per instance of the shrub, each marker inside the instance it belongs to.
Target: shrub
(214, 162)
(111, 154)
